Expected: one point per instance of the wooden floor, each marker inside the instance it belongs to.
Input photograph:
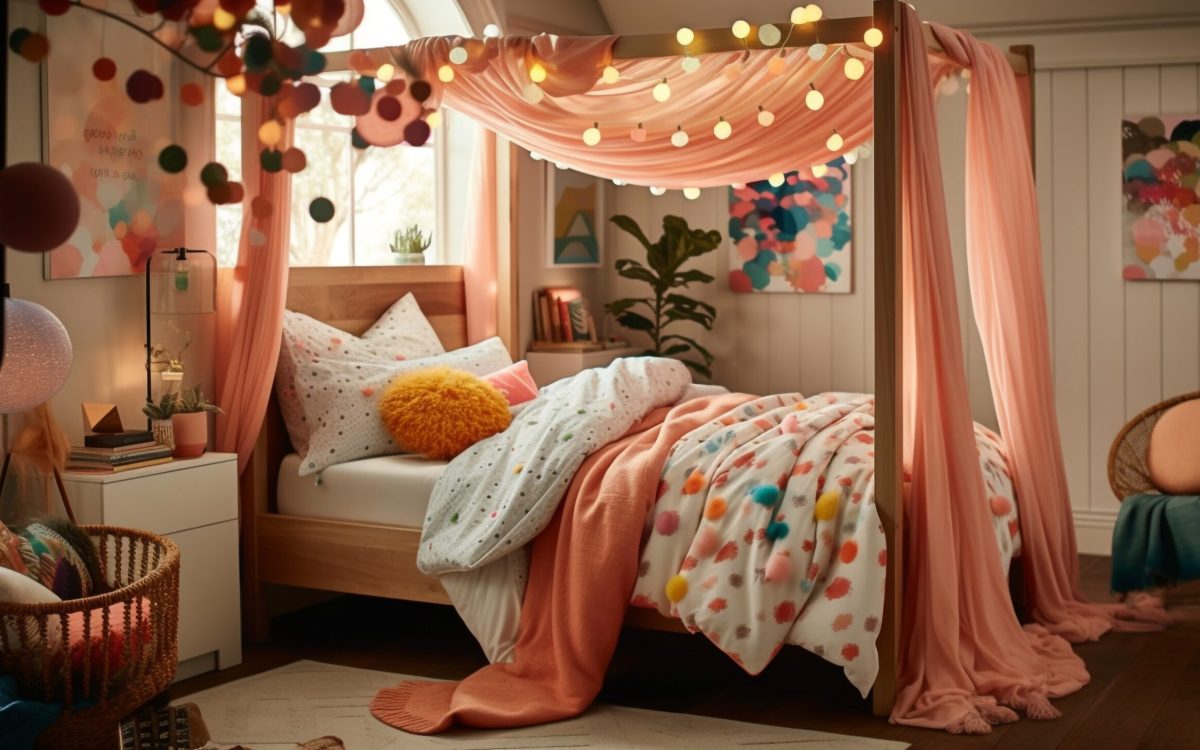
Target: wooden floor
(1145, 689)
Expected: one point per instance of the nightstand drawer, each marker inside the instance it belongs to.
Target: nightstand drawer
(170, 501)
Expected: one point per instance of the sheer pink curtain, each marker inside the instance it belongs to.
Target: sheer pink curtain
(251, 295)
(482, 241)
(1008, 296)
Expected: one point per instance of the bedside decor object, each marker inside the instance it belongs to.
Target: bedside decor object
(439, 412)
(181, 285)
(664, 273)
(37, 356)
(159, 413)
(409, 245)
(189, 422)
(101, 418)
(561, 315)
(117, 439)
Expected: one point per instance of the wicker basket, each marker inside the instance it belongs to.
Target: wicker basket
(130, 657)
(1128, 470)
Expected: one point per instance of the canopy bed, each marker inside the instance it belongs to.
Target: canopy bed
(951, 652)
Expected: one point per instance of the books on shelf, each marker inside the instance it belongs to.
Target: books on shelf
(117, 439)
(561, 315)
(106, 460)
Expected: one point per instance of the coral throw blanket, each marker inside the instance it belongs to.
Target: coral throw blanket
(564, 648)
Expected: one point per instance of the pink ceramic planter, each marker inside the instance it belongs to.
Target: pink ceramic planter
(191, 434)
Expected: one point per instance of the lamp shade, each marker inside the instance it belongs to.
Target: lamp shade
(37, 356)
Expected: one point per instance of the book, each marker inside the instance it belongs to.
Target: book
(577, 315)
(122, 458)
(544, 312)
(99, 468)
(117, 439)
(134, 448)
(566, 346)
(538, 332)
(564, 321)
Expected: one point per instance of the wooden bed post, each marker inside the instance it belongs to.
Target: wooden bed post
(889, 487)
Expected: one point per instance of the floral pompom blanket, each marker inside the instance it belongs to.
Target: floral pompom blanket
(765, 532)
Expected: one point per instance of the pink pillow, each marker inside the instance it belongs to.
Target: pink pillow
(1174, 454)
(514, 382)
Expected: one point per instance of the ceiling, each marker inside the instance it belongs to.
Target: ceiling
(646, 16)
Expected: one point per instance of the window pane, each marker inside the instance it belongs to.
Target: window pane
(381, 27)
(393, 188)
(229, 218)
(327, 175)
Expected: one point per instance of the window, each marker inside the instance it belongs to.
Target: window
(375, 191)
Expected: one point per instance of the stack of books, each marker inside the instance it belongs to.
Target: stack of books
(110, 453)
(563, 322)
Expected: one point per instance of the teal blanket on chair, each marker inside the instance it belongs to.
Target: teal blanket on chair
(1156, 542)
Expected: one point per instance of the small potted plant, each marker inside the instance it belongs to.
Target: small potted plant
(159, 415)
(409, 245)
(189, 422)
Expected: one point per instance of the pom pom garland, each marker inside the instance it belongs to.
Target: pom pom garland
(777, 530)
(765, 494)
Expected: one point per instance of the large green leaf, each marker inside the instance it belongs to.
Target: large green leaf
(694, 316)
(687, 303)
(691, 276)
(631, 226)
(631, 269)
(674, 349)
(616, 307)
(635, 322)
(708, 357)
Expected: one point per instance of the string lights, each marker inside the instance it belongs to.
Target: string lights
(638, 134)
(445, 74)
(873, 37)
(814, 99)
(458, 55)
(679, 138)
(591, 136)
(691, 193)
(854, 68)
(537, 72)
(722, 129)
(610, 75)
(657, 191)
(776, 179)
(769, 34)
(685, 36)
(777, 64)
(816, 52)
(819, 170)
(765, 116)
(740, 29)
(834, 142)
(662, 91)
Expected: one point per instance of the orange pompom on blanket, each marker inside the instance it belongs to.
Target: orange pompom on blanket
(440, 412)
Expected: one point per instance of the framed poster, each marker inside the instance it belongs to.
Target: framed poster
(574, 218)
(1160, 188)
(108, 147)
(794, 237)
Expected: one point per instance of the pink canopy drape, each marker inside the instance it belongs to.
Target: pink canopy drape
(251, 295)
(967, 663)
(482, 242)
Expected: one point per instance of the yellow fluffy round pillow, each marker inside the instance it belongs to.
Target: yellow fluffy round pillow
(440, 412)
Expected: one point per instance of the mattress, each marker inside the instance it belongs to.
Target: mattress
(388, 490)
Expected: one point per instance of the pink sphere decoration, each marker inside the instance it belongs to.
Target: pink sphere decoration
(667, 522)
(37, 356)
(778, 568)
(39, 208)
(705, 543)
(351, 18)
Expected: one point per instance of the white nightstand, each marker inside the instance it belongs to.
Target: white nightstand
(547, 367)
(195, 503)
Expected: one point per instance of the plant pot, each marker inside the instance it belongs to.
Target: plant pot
(191, 434)
(408, 259)
(164, 433)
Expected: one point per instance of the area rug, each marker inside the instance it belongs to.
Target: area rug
(276, 710)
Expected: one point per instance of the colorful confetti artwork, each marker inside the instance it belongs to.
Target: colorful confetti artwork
(106, 130)
(794, 237)
(1160, 184)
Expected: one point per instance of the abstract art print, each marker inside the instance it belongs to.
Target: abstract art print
(108, 145)
(1160, 186)
(574, 211)
(793, 237)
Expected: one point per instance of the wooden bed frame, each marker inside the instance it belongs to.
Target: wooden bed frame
(376, 560)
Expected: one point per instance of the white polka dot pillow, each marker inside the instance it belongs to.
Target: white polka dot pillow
(341, 398)
(401, 333)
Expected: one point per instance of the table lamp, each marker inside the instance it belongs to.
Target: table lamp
(179, 283)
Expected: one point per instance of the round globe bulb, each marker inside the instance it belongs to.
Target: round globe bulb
(776, 179)
(491, 30)
(537, 72)
(445, 74)
(690, 64)
(816, 52)
(610, 74)
(458, 55)
(236, 84)
(776, 65)
(434, 119)
(819, 170)
(535, 156)
(851, 156)
(691, 193)
(854, 68)
(591, 136)
(662, 91)
(722, 129)
(638, 134)
(37, 356)
(679, 138)
(799, 15)
(834, 143)
(387, 71)
(618, 182)
(533, 93)
(685, 36)
(813, 12)
(873, 37)
(814, 100)
(769, 34)
(270, 133)
(765, 117)
(657, 191)
(741, 29)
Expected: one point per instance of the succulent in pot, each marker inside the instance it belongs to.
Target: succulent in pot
(159, 413)
(409, 245)
(190, 422)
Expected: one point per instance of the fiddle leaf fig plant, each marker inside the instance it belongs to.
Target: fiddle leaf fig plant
(665, 307)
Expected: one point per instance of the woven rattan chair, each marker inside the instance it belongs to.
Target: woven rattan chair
(1128, 471)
